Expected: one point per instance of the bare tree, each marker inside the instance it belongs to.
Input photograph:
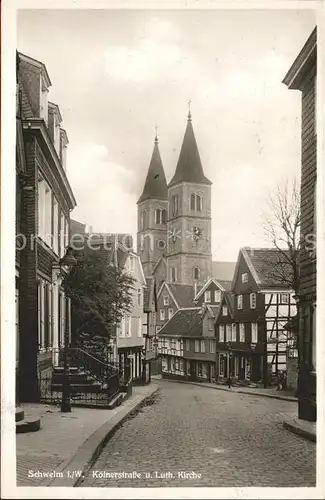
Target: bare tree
(282, 228)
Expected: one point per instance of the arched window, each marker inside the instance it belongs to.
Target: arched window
(160, 216)
(142, 220)
(196, 273)
(196, 202)
(193, 197)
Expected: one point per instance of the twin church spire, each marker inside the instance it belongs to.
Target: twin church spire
(189, 167)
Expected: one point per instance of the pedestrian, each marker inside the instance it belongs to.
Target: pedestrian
(229, 382)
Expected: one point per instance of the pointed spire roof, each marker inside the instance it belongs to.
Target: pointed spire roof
(155, 186)
(189, 166)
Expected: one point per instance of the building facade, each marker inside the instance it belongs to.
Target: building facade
(302, 76)
(250, 328)
(130, 334)
(46, 199)
(187, 344)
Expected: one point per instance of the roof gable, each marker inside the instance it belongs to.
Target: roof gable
(268, 266)
(207, 286)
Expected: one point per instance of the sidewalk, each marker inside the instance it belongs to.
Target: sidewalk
(266, 393)
(68, 443)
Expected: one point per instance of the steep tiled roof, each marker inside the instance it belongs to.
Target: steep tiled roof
(189, 166)
(271, 266)
(185, 322)
(155, 186)
(225, 284)
(184, 294)
(223, 271)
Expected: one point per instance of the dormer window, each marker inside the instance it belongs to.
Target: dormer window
(207, 296)
(160, 216)
(43, 100)
(196, 202)
(217, 296)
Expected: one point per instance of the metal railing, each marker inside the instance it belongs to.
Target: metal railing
(92, 382)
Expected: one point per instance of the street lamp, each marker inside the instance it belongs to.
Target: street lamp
(66, 264)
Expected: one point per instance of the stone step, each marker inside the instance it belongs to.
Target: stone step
(94, 387)
(20, 414)
(60, 369)
(75, 378)
(32, 424)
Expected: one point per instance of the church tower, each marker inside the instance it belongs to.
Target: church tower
(189, 258)
(152, 214)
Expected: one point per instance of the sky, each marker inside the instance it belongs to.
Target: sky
(116, 74)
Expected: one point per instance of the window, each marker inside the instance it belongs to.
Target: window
(57, 134)
(192, 201)
(207, 296)
(241, 332)
(173, 274)
(253, 300)
(221, 333)
(224, 311)
(228, 333)
(55, 226)
(187, 344)
(212, 346)
(196, 273)
(166, 300)
(284, 298)
(217, 296)
(142, 220)
(210, 323)
(62, 242)
(66, 232)
(48, 216)
(233, 333)
(196, 202)
(197, 346)
(254, 333)
(239, 301)
(44, 306)
(174, 205)
(244, 278)
(140, 327)
(162, 314)
(160, 216)
(139, 297)
(202, 346)
(41, 207)
(127, 326)
(43, 101)
(170, 312)
(122, 328)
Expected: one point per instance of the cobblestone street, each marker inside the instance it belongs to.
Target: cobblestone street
(221, 438)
